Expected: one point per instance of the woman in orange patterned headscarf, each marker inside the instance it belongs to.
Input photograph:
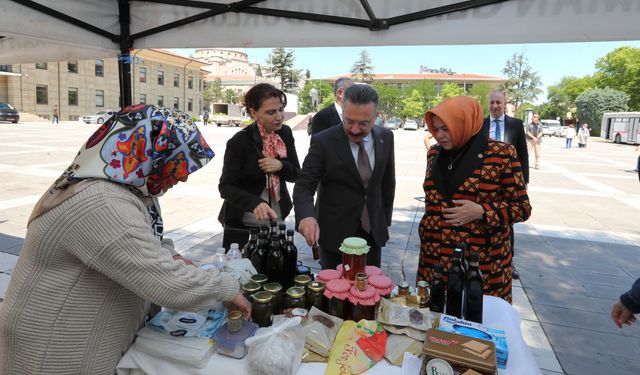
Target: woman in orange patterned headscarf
(474, 192)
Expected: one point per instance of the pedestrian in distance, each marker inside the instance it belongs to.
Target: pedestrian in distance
(571, 133)
(205, 117)
(55, 116)
(583, 135)
(534, 137)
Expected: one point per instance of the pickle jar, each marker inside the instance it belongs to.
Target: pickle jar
(278, 297)
(302, 281)
(354, 257)
(315, 296)
(259, 278)
(262, 308)
(295, 298)
(249, 289)
(234, 321)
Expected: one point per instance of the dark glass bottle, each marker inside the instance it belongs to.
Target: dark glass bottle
(282, 233)
(290, 261)
(259, 255)
(275, 260)
(455, 285)
(436, 304)
(264, 229)
(473, 291)
(252, 244)
(273, 228)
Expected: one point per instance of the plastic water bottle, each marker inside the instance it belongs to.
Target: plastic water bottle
(219, 260)
(234, 252)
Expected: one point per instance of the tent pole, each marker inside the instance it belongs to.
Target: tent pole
(124, 59)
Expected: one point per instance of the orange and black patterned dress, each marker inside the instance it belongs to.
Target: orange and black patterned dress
(489, 174)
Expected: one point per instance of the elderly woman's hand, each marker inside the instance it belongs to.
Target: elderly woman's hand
(463, 213)
(240, 303)
(270, 165)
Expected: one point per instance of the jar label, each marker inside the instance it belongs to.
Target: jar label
(347, 267)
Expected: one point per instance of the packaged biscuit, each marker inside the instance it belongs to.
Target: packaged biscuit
(447, 353)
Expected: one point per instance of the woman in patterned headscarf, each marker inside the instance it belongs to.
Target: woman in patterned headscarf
(94, 255)
(474, 193)
(257, 162)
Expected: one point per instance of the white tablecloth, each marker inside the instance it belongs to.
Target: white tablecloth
(496, 313)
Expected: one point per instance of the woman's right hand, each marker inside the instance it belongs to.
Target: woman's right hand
(240, 303)
(264, 212)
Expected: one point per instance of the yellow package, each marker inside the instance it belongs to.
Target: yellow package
(357, 347)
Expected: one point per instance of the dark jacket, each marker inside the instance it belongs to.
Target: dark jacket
(323, 120)
(243, 181)
(631, 299)
(331, 169)
(514, 135)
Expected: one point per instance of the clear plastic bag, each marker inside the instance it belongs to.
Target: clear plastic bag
(276, 350)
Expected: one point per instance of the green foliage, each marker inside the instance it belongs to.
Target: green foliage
(413, 105)
(258, 71)
(230, 96)
(328, 99)
(213, 93)
(325, 92)
(362, 70)
(281, 62)
(562, 96)
(549, 110)
(390, 99)
(592, 104)
(523, 84)
(450, 89)
(620, 70)
(480, 92)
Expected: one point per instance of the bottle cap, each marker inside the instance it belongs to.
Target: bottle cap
(302, 280)
(295, 292)
(250, 287)
(290, 232)
(316, 286)
(259, 278)
(272, 287)
(437, 268)
(234, 246)
(474, 258)
(263, 297)
(220, 250)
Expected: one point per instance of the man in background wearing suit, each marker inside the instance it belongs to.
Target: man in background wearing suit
(353, 170)
(503, 128)
(332, 114)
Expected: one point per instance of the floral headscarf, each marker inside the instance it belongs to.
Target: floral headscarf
(146, 148)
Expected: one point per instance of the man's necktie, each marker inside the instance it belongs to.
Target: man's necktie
(498, 131)
(365, 174)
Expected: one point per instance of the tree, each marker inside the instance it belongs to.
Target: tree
(362, 70)
(550, 110)
(450, 89)
(593, 103)
(390, 99)
(620, 70)
(307, 74)
(230, 96)
(413, 106)
(258, 71)
(324, 91)
(480, 92)
(281, 62)
(213, 93)
(562, 96)
(523, 84)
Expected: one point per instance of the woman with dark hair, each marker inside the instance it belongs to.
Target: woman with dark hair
(474, 193)
(258, 161)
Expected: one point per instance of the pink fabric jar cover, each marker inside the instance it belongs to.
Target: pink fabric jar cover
(327, 275)
(367, 297)
(382, 284)
(337, 288)
(372, 271)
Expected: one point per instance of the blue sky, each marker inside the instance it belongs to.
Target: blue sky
(552, 61)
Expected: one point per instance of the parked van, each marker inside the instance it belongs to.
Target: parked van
(550, 127)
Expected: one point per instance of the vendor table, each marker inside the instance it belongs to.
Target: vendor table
(497, 314)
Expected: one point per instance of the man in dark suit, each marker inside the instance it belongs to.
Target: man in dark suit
(503, 128)
(352, 168)
(332, 114)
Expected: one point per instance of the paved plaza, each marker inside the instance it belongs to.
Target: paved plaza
(577, 253)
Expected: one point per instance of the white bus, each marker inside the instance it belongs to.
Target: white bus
(621, 127)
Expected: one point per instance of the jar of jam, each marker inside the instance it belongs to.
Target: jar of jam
(336, 292)
(278, 296)
(234, 321)
(259, 278)
(403, 289)
(382, 284)
(295, 298)
(329, 274)
(248, 289)
(302, 281)
(423, 293)
(354, 257)
(262, 308)
(315, 296)
(363, 298)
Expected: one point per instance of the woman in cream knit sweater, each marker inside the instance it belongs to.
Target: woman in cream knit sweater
(94, 256)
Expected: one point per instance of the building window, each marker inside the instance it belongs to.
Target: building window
(72, 94)
(41, 65)
(143, 75)
(99, 98)
(176, 80)
(6, 68)
(72, 67)
(143, 98)
(160, 77)
(176, 103)
(99, 68)
(160, 101)
(190, 82)
(190, 105)
(41, 94)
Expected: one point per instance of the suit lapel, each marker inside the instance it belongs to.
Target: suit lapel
(380, 149)
(335, 117)
(343, 148)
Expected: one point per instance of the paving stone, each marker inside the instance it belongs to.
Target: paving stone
(593, 321)
(579, 341)
(4, 283)
(7, 261)
(536, 339)
(582, 363)
(538, 296)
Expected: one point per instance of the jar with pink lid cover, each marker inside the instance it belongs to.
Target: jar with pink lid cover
(382, 284)
(363, 298)
(326, 275)
(372, 271)
(337, 293)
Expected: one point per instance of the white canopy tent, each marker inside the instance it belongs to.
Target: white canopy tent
(39, 30)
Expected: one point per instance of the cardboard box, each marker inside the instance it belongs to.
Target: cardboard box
(447, 353)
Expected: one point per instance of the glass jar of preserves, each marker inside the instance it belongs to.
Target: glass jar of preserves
(262, 308)
(354, 257)
(295, 298)
(336, 292)
(259, 278)
(315, 296)
(234, 321)
(278, 296)
(302, 281)
(403, 289)
(249, 288)
(423, 293)
(363, 298)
